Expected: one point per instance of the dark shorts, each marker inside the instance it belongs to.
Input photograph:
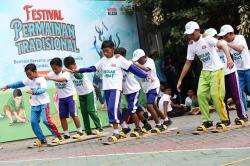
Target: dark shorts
(152, 96)
(67, 107)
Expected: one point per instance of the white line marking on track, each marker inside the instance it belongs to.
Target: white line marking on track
(121, 154)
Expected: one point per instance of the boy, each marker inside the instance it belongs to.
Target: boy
(85, 91)
(15, 107)
(231, 81)
(39, 103)
(112, 68)
(238, 48)
(211, 81)
(165, 102)
(131, 88)
(192, 103)
(151, 88)
(65, 92)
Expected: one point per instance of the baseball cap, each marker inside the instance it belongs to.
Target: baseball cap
(190, 27)
(225, 29)
(137, 54)
(211, 31)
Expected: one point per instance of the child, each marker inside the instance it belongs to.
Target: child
(211, 81)
(170, 108)
(165, 102)
(131, 88)
(85, 91)
(65, 92)
(239, 50)
(192, 103)
(231, 81)
(39, 103)
(151, 88)
(15, 107)
(112, 68)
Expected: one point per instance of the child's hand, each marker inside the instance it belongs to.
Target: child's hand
(29, 91)
(151, 79)
(74, 71)
(47, 77)
(4, 88)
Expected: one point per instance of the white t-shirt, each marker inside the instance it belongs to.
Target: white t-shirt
(148, 85)
(223, 59)
(83, 85)
(188, 101)
(64, 89)
(164, 98)
(37, 83)
(205, 49)
(241, 59)
(130, 84)
(112, 71)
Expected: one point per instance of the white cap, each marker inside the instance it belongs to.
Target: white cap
(225, 29)
(211, 31)
(190, 27)
(137, 54)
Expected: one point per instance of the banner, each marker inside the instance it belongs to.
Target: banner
(37, 31)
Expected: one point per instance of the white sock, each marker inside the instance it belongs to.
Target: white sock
(158, 124)
(124, 125)
(79, 130)
(116, 131)
(66, 132)
(166, 119)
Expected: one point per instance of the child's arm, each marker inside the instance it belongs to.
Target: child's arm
(85, 70)
(137, 71)
(56, 79)
(15, 85)
(165, 107)
(146, 69)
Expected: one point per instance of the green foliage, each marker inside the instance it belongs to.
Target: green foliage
(175, 14)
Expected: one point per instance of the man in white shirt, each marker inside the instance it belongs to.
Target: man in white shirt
(232, 85)
(211, 81)
(239, 50)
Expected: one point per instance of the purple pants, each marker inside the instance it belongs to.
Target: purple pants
(232, 87)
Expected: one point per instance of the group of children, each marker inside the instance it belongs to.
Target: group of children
(118, 78)
(219, 72)
(221, 77)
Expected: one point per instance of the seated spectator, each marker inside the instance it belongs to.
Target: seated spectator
(167, 106)
(192, 103)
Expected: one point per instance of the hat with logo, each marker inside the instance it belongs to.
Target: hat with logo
(137, 54)
(190, 27)
(225, 29)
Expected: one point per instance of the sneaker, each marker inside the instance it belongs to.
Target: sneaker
(77, 135)
(226, 122)
(168, 122)
(66, 136)
(126, 130)
(136, 130)
(56, 140)
(147, 126)
(40, 142)
(245, 119)
(89, 133)
(1, 116)
(207, 124)
(114, 138)
(160, 127)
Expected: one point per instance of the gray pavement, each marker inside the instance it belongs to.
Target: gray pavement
(175, 148)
